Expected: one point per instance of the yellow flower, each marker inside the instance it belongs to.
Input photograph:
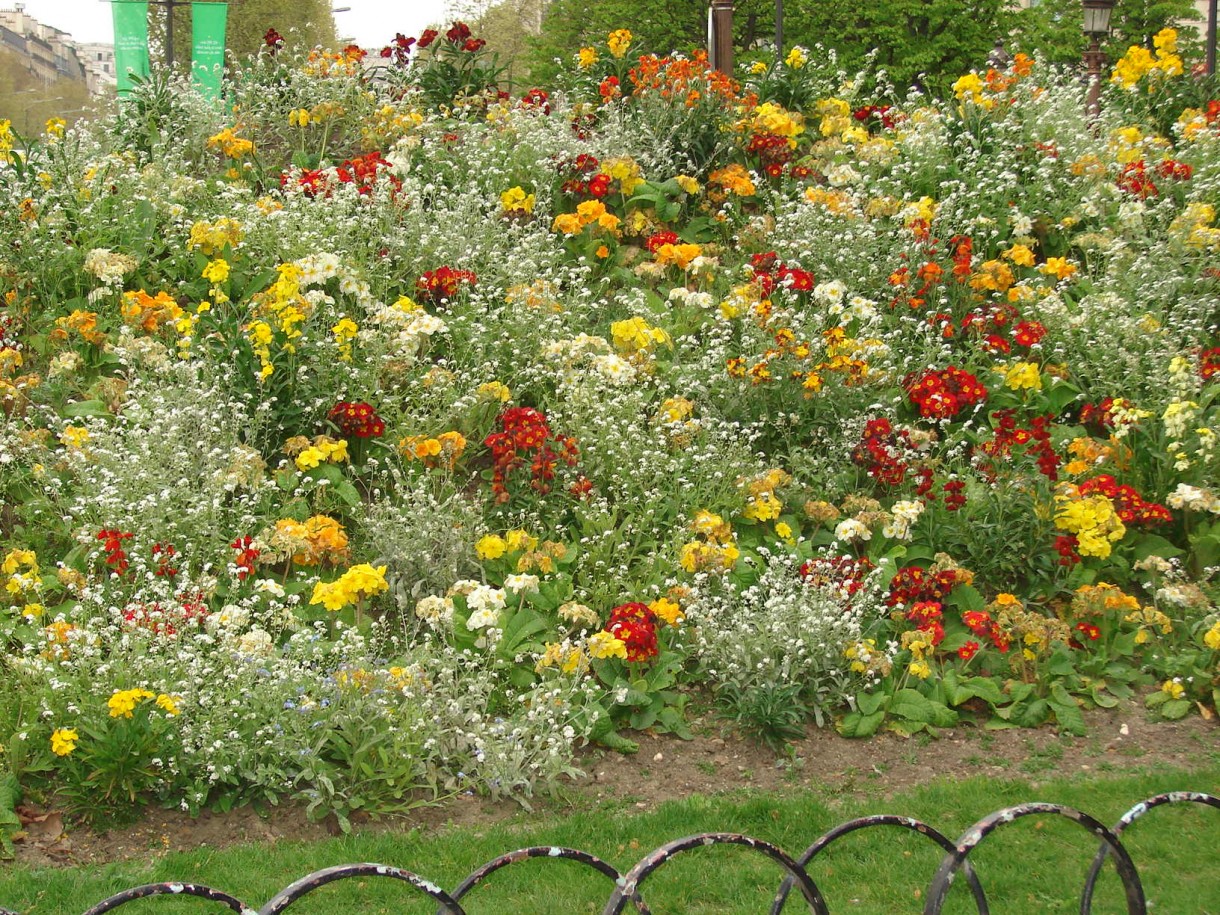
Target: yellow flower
(494, 390)
(667, 610)
(634, 335)
(169, 704)
(618, 41)
(309, 459)
(679, 255)
(1024, 375)
(491, 546)
(1175, 689)
(124, 702)
(518, 540)
(797, 58)
(1020, 255)
(516, 200)
(1057, 267)
(784, 532)
(687, 183)
(1211, 638)
(1093, 521)
(217, 271)
(969, 88)
(919, 669)
(604, 645)
(63, 741)
(356, 584)
(586, 57)
(763, 507)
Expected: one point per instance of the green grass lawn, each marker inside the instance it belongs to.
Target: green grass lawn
(1035, 865)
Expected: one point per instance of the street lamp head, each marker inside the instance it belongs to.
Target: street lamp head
(1097, 17)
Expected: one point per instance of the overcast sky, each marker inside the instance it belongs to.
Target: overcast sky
(372, 23)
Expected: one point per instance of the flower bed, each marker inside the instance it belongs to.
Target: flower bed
(381, 435)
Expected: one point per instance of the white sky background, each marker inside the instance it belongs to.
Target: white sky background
(371, 23)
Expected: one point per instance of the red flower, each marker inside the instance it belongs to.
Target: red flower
(1027, 333)
(273, 40)
(635, 626)
(112, 542)
(429, 36)
(943, 393)
(356, 420)
(599, 186)
(443, 283)
(1089, 631)
(968, 651)
(246, 555)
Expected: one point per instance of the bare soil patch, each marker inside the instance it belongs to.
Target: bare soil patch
(1119, 741)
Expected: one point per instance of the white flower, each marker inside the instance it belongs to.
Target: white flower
(257, 643)
(485, 597)
(269, 586)
(435, 610)
(482, 619)
(851, 529)
(521, 584)
(829, 293)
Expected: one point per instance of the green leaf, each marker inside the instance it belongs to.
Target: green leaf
(1033, 714)
(1154, 545)
(86, 408)
(856, 725)
(1069, 717)
(870, 703)
(675, 723)
(966, 598)
(1018, 691)
(1061, 663)
(346, 492)
(1097, 692)
(942, 715)
(912, 705)
(1175, 709)
(613, 740)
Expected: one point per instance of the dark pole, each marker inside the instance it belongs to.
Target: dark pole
(1211, 38)
(169, 34)
(722, 36)
(1093, 59)
(779, 28)
(169, 5)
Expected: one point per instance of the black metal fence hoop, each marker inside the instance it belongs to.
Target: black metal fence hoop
(169, 889)
(882, 819)
(629, 885)
(1159, 800)
(317, 879)
(549, 852)
(972, 837)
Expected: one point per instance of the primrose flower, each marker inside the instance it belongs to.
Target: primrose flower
(491, 546)
(604, 645)
(1024, 375)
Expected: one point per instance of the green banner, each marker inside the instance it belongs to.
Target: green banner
(130, 41)
(208, 52)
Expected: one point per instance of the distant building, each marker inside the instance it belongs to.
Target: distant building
(48, 53)
(98, 60)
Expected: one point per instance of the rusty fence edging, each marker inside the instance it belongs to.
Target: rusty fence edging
(627, 886)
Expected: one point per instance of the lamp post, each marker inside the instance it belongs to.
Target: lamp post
(722, 36)
(1096, 27)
